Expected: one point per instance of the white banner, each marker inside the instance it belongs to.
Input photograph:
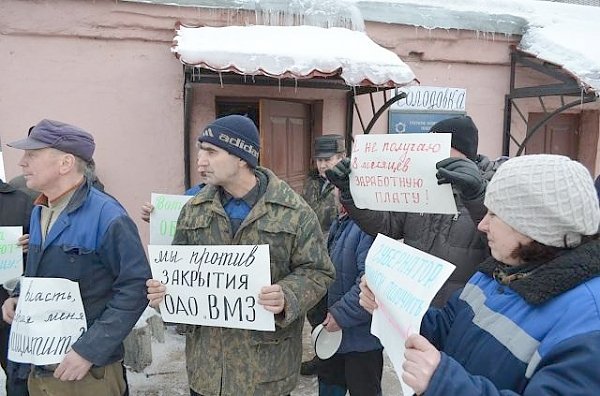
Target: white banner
(11, 254)
(216, 285)
(397, 173)
(404, 281)
(49, 319)
(163, 218)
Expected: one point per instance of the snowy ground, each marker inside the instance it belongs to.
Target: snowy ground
(166, 375)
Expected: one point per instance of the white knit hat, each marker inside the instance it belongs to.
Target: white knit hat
(549, 198)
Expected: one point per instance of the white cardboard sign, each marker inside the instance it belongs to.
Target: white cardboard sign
(163, 218)
(397, 173)
(11, 254)
(404, 281)
(48, 320)
(213, 285)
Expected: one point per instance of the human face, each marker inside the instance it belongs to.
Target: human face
(327, 163)
(454, 153)
(503, 240)
(216, 166)
(42, 168)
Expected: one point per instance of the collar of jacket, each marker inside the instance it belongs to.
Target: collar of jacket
(79, 196)
(277, 191)
(5, 187)
(540, 283)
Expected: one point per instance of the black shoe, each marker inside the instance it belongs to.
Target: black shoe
(310, 367)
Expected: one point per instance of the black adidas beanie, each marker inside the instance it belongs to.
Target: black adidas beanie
(465, 136)
(235, 134)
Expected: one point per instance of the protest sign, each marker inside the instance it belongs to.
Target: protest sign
(48, 320)
(214, 285)
(11, 254)
(404, 281)
(163, 218)
(397, 173)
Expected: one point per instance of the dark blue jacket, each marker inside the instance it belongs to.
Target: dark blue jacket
(348, 247)
(95, 243)
(539, 335)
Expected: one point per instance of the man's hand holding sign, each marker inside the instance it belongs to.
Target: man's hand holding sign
(396, 173)
(216, 285)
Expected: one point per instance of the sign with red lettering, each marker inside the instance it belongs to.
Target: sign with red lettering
(213, 285)
(397, 173)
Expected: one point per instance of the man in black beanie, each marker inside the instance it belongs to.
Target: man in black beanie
(245, 204)
(454, 238)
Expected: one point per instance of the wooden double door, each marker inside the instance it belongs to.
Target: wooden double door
(285, 134)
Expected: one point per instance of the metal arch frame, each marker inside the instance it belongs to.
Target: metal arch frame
(196, 75)
(567, 86)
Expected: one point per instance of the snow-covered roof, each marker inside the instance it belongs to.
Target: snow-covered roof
(292, 52)
(559, 33)
(563, 34)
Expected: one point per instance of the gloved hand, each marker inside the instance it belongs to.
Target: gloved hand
(463, 174)
(339, 177)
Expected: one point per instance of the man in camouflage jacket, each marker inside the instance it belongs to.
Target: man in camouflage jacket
(248, 205)
(317, 191)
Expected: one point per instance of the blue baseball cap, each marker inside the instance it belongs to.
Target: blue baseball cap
(58, 135)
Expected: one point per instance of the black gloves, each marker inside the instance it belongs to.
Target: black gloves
(339, 177)
(464, 174)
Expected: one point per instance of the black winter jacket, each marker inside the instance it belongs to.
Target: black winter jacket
(453, 238)
(15, 210)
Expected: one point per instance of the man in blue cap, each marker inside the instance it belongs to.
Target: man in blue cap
(82, 234)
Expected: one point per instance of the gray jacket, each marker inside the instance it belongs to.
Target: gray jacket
(454, 238)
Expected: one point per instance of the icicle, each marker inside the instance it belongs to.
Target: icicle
(581, 101)
(279, 84)
(221, 79)
(295, 85)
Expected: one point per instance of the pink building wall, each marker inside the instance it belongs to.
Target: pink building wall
(107, 67)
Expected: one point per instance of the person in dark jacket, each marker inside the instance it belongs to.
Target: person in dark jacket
(528, 322)
(318, 193)
(453, 238)
(358, 363)
(15, 210)
(82, 234)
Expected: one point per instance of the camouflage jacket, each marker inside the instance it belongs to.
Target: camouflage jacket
(224, 361)
(322, 201)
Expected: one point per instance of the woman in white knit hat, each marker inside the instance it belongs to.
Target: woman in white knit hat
(528, 323)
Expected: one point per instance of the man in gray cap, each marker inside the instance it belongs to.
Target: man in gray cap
(318, 192)
(82, 234)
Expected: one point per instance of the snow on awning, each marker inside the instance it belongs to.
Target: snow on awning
(292, 52)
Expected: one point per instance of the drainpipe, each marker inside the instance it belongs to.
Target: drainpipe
(187, 91)
(349, 121)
